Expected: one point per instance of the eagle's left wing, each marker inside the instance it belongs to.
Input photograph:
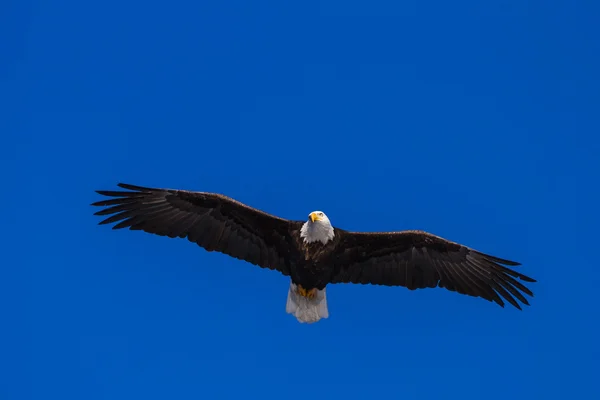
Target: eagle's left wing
(417, 259)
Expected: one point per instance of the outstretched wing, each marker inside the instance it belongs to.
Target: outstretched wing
(215, 222)
(417, 259)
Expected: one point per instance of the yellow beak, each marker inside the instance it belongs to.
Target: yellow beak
(313, 217)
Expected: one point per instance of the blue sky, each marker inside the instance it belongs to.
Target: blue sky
(476, 121)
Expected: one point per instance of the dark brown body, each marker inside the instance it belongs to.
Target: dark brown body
(315, 262)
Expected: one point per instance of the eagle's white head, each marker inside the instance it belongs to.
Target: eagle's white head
(317, 228)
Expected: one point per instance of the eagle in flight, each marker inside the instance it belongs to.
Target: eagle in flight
(314, 253)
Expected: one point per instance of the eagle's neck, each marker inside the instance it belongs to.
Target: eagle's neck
(319, 231)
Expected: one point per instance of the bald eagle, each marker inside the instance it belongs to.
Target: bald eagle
(312, 252)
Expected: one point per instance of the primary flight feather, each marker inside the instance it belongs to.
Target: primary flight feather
(313, 253)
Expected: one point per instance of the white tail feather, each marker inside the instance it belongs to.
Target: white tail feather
(304, 309)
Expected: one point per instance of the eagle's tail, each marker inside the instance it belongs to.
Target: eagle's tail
(306, 309)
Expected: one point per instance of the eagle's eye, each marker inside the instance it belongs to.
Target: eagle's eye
(320, 214)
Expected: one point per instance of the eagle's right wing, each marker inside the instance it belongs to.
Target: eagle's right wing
(213, 221)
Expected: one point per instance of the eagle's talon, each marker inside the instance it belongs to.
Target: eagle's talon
(309, 294)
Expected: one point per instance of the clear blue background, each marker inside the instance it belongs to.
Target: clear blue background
(477, 121)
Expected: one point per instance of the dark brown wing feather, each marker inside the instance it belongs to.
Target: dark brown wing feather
(417, 259)
(215, 222)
